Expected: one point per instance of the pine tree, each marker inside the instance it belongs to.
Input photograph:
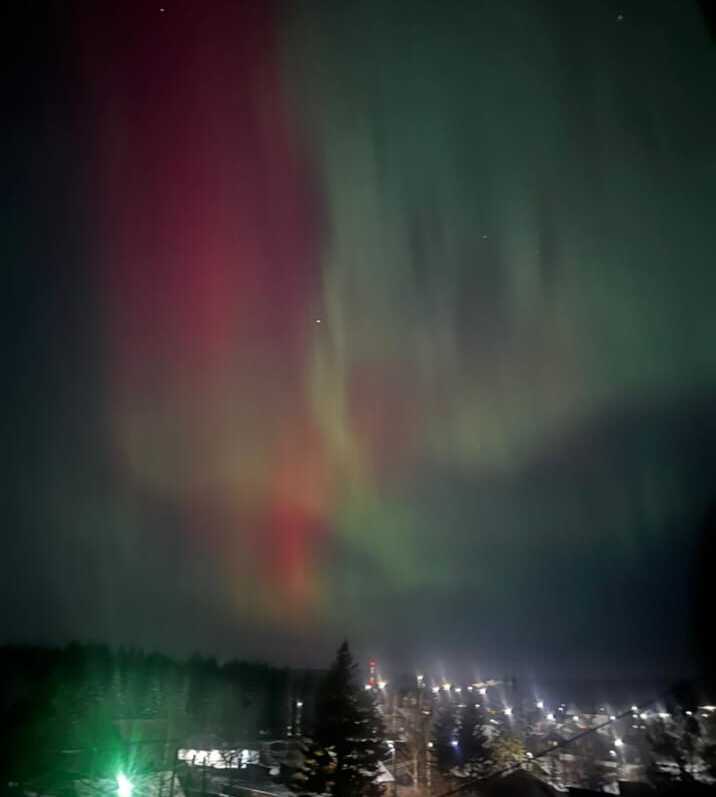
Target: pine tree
(506, 750)
(444, 739)
(473, 749)
(315, 776)
(343, 756)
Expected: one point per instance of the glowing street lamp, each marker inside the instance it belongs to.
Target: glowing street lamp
(618, 742)
(550, 717)
(508, 712)
(124, 786)
(540, 704)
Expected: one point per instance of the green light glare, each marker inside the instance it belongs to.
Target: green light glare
(124, 786)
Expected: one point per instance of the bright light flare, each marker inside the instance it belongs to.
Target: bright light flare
(124, 786)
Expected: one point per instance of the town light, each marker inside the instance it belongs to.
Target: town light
(483, 691)
(540, 704)
(508, 712)
(635, 708)
(618, 742)
(612, 717)
(436, 689)
(124, 786)
(382, 684)
(454, 742)
(550, 717)
(299, 704)
(446, 687)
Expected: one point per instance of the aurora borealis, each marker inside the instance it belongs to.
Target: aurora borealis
(387, 320)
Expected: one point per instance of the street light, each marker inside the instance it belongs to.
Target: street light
(540, 704)
(618, 742)
(124, 786)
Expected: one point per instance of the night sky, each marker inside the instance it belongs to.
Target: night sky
(388, 320)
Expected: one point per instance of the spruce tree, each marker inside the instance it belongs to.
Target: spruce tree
(444, 739)
(473, 745)
(343, 755)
